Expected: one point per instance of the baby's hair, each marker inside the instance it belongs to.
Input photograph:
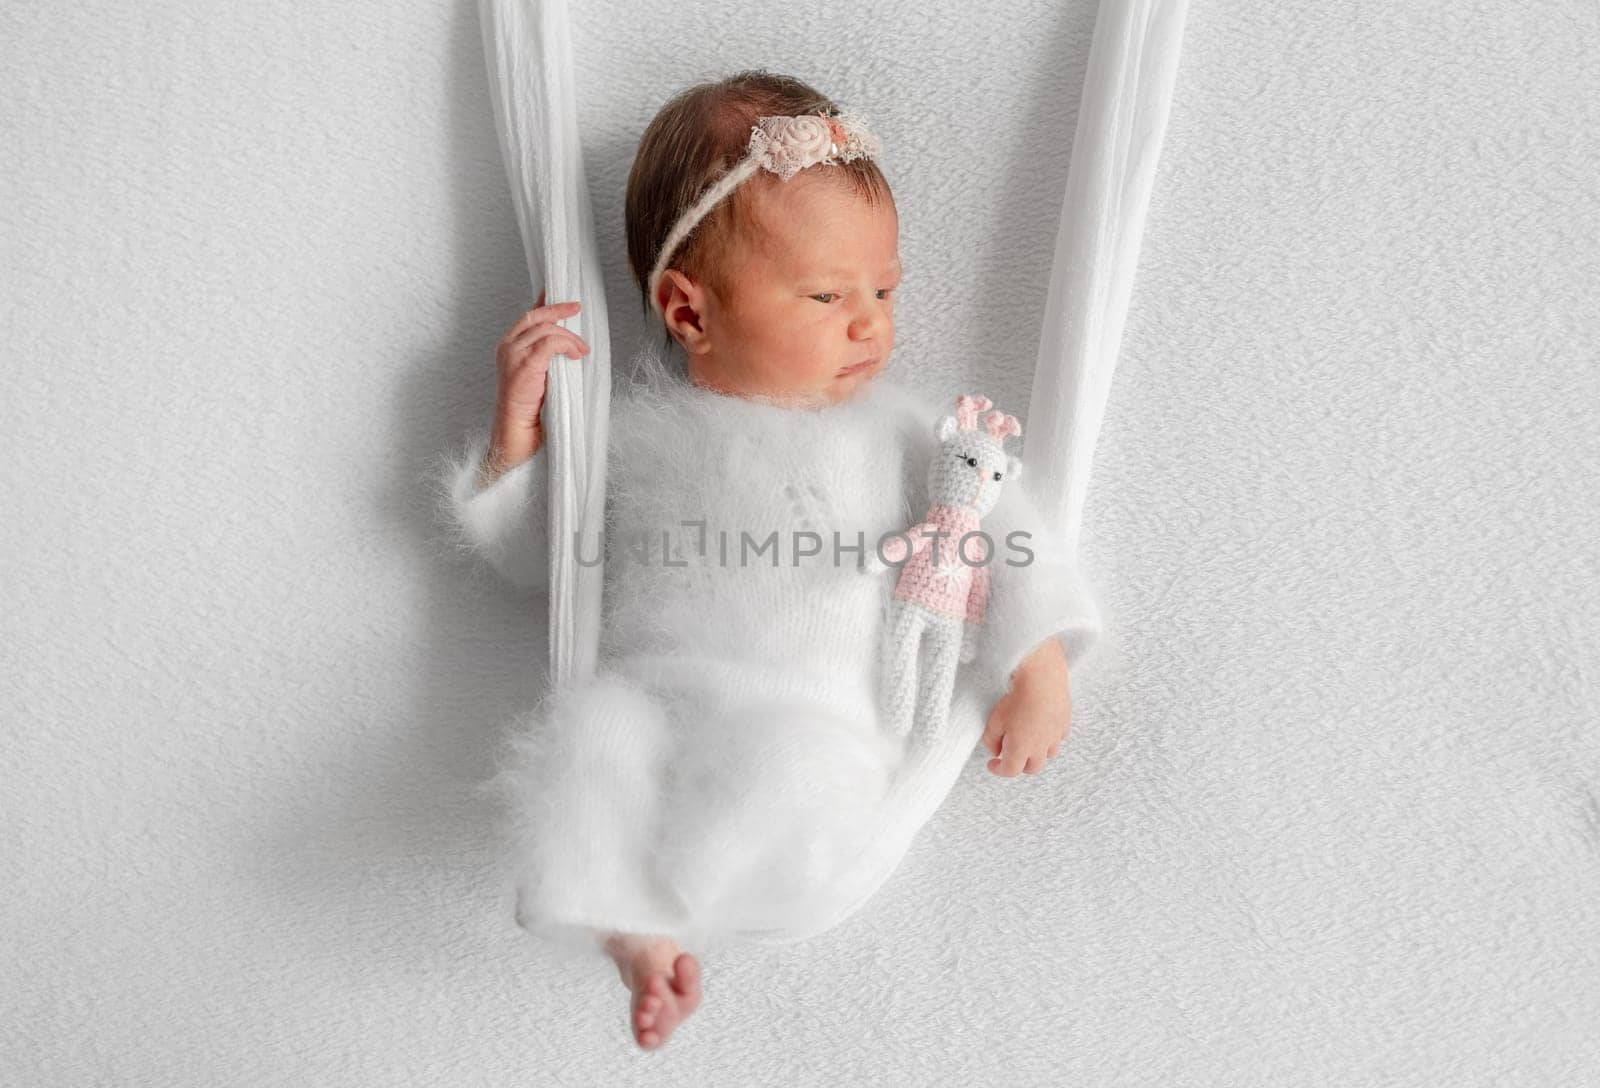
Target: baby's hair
(697, 136)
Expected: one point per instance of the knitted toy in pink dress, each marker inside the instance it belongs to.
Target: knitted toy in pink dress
(942, 591)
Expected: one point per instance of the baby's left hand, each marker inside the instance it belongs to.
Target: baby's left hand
(1028, 725)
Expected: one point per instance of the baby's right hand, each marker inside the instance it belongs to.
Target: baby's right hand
(523, 358)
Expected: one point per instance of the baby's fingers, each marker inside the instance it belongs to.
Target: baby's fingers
(556, 311)
(1008, 761)
(993, 732)
(1017, 756)
(545, 340)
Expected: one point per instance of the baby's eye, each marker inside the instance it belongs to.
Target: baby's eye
(882, 291)
(823, 295)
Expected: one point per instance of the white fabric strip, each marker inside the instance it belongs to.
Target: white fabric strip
(528, 47)
(1122, 116)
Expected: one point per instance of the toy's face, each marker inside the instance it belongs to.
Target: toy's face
(970, 470)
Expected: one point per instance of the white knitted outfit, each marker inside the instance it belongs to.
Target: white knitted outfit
(724, 776)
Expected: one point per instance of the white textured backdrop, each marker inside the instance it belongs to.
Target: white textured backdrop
(1330, 808)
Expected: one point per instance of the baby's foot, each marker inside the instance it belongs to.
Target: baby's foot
(665, 984)
(662, 1003)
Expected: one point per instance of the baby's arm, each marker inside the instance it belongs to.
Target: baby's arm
(1036, 593)
(495, 494)
(503, 522)
(1041, 620)
(1027, 727)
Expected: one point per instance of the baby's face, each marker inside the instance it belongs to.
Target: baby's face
(812, 301)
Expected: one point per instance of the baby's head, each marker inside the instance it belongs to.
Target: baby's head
(784, 285)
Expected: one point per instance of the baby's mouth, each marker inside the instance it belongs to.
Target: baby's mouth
(857, 368)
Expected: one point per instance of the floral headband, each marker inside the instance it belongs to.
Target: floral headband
(784, 145)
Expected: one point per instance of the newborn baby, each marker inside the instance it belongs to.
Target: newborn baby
(725, 773)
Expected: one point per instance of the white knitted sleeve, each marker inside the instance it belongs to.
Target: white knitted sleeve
(505, 523)
(1032, 597)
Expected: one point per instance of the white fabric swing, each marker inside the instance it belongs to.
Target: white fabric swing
(1121, 119)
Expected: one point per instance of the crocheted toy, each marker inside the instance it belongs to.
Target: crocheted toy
(943, 589)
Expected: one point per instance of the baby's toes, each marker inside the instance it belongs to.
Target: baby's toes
(649, 1006)
(686, 976)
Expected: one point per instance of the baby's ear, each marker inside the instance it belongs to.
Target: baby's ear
(1013, 468)
(945, 428)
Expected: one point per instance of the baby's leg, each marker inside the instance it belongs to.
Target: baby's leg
(581, 792)
(665, 982)
(902, 640)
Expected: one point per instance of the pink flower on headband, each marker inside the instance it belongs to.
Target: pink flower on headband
(796, 142)
(786, 145)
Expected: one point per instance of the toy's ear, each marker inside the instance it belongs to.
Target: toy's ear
(945, 428)
(1014, 468)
